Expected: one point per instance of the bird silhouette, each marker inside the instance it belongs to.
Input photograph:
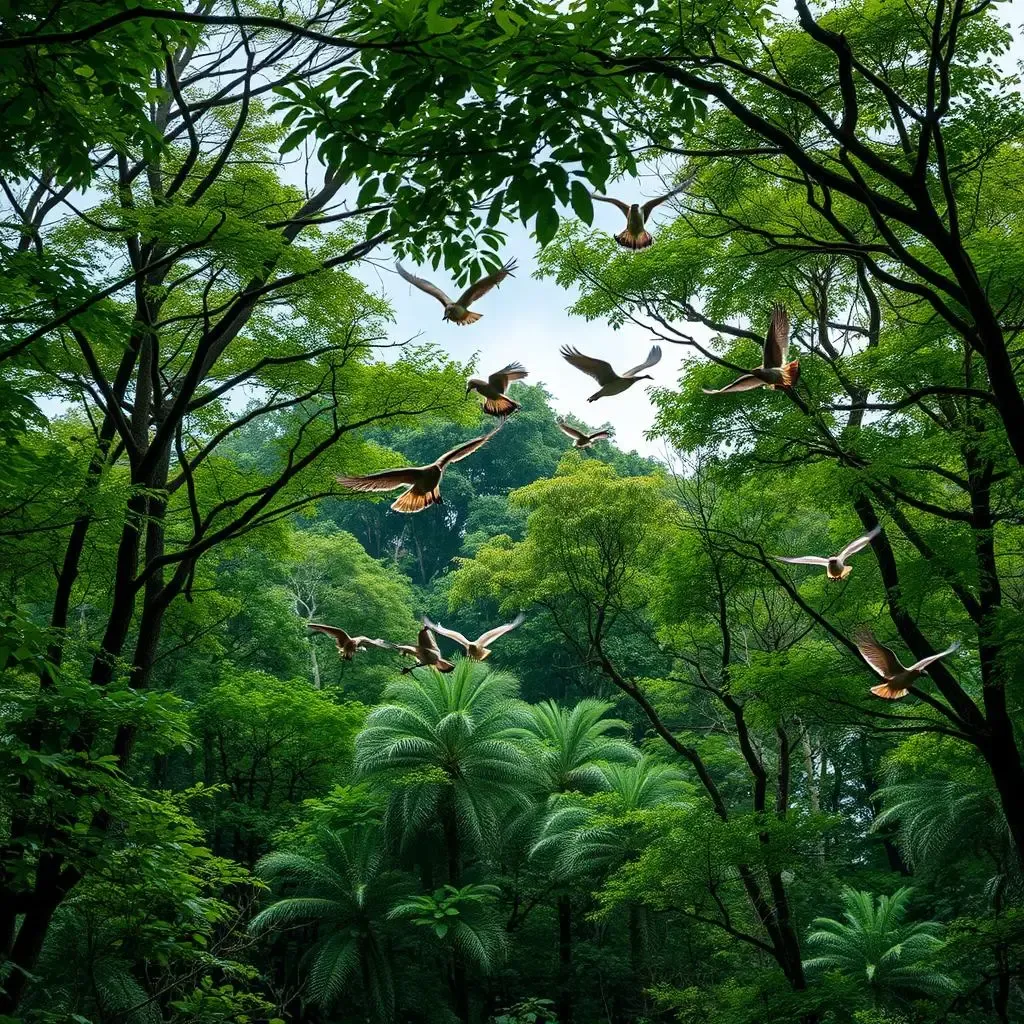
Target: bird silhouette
(347, 645)
(477, 650)
(835, 565)
(636, 235)
(611, 382)
(579, 438)
(457, 310)
(423, 482)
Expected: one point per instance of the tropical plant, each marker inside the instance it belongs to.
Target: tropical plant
(453, 740)
(345, 892)
(873, 945)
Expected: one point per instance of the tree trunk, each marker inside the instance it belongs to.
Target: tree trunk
(564, 1006)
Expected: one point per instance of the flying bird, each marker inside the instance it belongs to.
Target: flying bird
(611, 383)
(494, 387)
(477, 650)
(347, 645)
(835, 565)
(636, 235)
(897, 678)
(771, 373)
(423, 482)
(457, 311)
(579, 438)
(425, 651)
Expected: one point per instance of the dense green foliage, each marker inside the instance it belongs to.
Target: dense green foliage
(669, 795)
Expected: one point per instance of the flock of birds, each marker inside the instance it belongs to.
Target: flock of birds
(422, 483)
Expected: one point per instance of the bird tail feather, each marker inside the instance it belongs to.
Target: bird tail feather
(888, 692)
(469, 318)
(444, 666)
(630, 241)
(790, 373)
(501, 406)
(412, 501)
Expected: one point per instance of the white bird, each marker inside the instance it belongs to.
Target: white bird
(457, 310)
(423, 481)
(477, 650)
(579, 438)
(835, 565)
(897, 677)
(348, 645)
(611, 382)
(771, 373)
(425, 651)
(494, 387)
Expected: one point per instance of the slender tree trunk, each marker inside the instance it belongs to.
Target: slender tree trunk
(564, 1007)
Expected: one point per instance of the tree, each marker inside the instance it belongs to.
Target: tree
(875, 946)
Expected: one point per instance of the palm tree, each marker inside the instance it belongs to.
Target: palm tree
(345, 893)
(454, 739)
(875, 946)
(574, 745)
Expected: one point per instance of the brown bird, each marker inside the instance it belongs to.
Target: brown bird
(835, 565)
(494, 387)
(425, 651)
(611, 382)
(457, 311)
(580, 439)
(897, 678)
(636, 235)
(477, 650)
(771, 373)
(423, 481)
(348, 645)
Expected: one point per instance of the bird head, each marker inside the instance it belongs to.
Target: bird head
(645, 376)
(473, 384)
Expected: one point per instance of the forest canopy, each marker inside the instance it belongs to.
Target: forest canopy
(563, 732)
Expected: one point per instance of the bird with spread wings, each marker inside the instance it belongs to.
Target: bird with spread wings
(493, 389)
(611, 382)
(774, 371)
(636, 235)
(425, 651)
(422, 483)
(477, 650)
(348, 646)
(897, 678)
(835, 565)
(579, 438)
(457, 310)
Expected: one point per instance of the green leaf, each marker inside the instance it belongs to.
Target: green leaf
(582, 204)
(547, 224)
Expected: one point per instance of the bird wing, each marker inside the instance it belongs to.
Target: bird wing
(413, 652)
(385, 480)
(745, 383)
(502, 378)
(332, 631)
(492, 634)
(601, 371)
(802, 560)
(576, 435)
(624, 207)
(881, 658)
(859, 544)
(921, 665)
(598, 434)
(452, 634)
(776, 341)
(485, 284)
(654, 356)
(426, 640)
(423, 285)
(465, 450)
(365, 641)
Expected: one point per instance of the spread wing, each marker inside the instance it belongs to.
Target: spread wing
(776, 342)
(654, 356)
(925, 662)
(859, 544)
(745, 383)
(599, 434)
(881, 658)
(385, 480)
(503, 377)
(413, 652)
(365, 641)
(601, 371)
(423, 285)
(332, 631)
(624, 207)
(485, 284)
(465, 450)
(426, 641)
(492, 634)
(802, 560)
(452, 634)
(576, 435)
